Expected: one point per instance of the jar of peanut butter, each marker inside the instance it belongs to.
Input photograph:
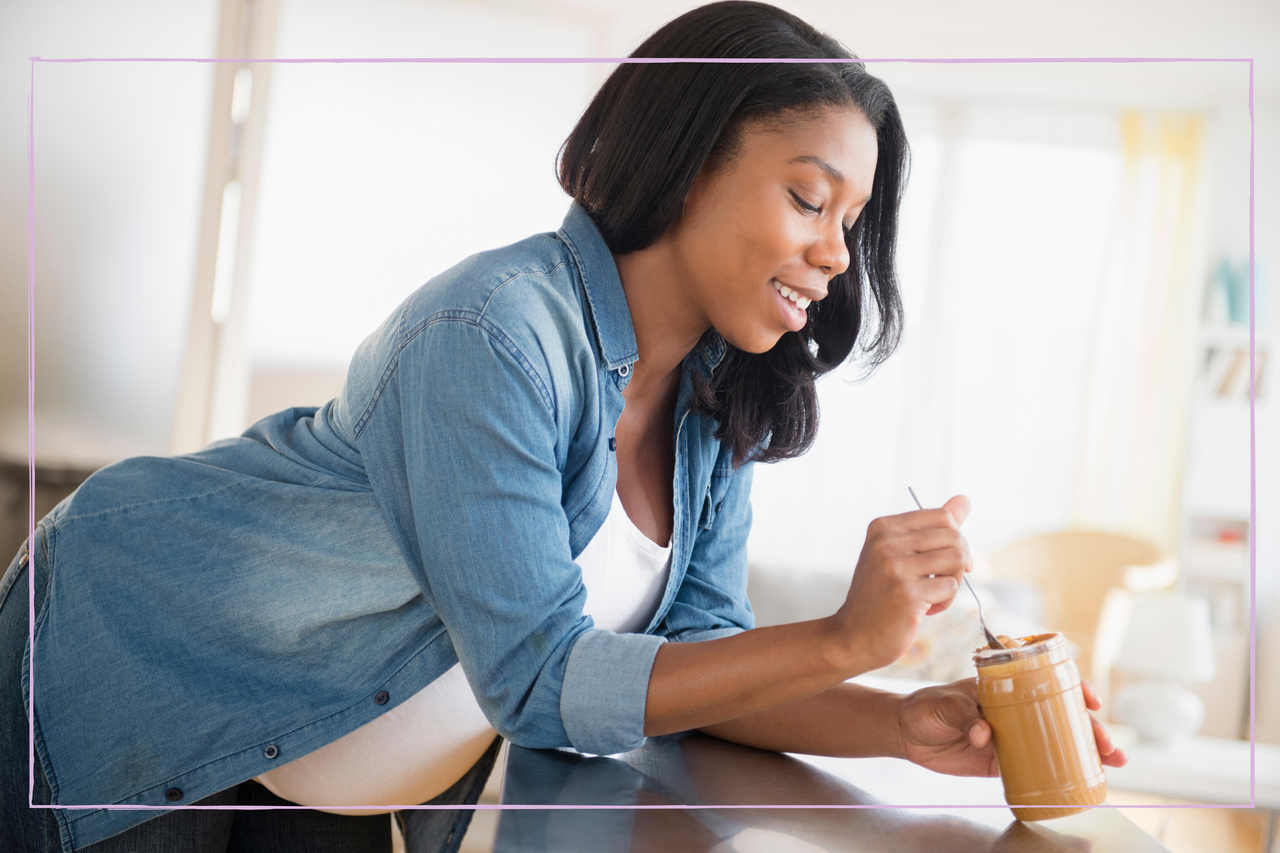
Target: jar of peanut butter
(1043, 737)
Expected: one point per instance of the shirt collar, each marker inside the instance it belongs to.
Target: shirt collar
(711, 348)
(606, 301)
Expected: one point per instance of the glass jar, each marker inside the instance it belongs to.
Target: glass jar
(1041, 730)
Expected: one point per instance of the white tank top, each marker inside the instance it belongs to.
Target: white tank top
(423, 745)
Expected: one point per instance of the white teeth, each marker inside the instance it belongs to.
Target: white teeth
(801, 302)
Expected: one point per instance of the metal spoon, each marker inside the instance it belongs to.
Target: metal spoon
(991, 638)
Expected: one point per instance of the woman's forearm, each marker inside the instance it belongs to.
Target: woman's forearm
(696, 685)
(910, 566)
(848, 721)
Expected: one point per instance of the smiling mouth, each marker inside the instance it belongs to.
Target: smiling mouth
(799, 301)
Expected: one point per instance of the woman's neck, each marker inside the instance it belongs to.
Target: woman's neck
(667, 323)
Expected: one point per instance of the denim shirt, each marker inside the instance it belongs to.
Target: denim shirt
(213, 615)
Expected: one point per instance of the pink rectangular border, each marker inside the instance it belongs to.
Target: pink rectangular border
(31, 469)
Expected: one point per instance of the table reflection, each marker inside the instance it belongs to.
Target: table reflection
(699, 770)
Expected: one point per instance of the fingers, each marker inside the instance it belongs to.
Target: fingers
(929, 535)
(1107, 751)
(922, 554)
(939, 581)
(960, 711)
(979, 734)
(908, 543)
(938, 590)
(918, 519)
(1091, 700)
(910, 565)
(969, 686)
(958, 507)
(1101, 737)
(951, 514)
(1115, 759)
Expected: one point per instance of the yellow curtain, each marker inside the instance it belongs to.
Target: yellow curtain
(1134, 435)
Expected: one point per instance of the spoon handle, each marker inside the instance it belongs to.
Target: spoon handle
(991, 638)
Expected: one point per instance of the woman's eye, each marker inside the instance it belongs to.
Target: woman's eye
(813, 208)
(804, 205)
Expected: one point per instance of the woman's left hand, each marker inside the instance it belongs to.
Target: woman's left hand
(941, 728)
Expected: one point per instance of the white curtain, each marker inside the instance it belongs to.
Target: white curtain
(1134, 431)
(1004, 228)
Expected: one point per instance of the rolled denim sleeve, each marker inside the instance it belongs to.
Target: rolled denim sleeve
(605, 687)
(471, 434)
(712, 601)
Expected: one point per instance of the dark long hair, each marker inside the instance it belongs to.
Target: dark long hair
(652, 128)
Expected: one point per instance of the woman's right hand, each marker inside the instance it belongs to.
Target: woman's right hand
(746, 678)
(910, 567)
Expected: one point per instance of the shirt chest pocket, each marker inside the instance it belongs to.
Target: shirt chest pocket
(713, 499)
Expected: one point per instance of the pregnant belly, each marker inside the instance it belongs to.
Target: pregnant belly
(405, 757)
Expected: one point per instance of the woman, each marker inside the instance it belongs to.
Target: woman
(526, 513)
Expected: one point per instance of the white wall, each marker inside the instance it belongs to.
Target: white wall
(376, 177)
(119, 159)
(1267, 468)
(1007, 28)
(120, 152)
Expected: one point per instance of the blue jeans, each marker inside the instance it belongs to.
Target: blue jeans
(251, 831)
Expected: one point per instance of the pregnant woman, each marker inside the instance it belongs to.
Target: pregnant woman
(525, 514)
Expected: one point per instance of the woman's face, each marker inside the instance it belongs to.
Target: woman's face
(763, 235)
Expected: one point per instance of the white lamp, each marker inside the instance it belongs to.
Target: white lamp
(1169, 643)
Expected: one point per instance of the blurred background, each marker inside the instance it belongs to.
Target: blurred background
(212, 242)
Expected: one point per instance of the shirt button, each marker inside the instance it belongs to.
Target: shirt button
(625, 370)
(381, 697)
(613, 443)
(173, 794)
(271, 751)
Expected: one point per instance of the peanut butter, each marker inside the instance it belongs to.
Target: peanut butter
(1030, 694)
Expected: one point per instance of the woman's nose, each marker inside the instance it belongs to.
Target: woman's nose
(829, 251)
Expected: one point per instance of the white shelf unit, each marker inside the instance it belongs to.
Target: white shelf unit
(1215, 507)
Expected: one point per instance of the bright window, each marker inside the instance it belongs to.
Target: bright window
(378, 176)
(1001, 248)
